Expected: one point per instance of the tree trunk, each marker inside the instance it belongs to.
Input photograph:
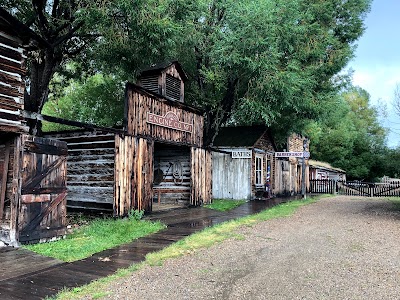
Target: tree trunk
(43, 65)
(215, 118)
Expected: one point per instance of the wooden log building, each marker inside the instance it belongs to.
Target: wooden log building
(32, 169)
(289, 170)
(156, 158)
(245, 164)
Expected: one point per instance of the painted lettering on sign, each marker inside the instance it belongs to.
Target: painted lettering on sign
(289, 154)
(170, 120)
(241, 154)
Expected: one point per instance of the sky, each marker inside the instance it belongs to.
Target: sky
(376, 64)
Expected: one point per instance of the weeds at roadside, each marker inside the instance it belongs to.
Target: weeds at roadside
(224, 204)
(97, 235)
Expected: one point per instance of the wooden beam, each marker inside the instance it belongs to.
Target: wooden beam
(3, 187)
(30, 186)
(40, 117)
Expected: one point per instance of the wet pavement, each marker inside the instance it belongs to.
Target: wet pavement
(25, 275)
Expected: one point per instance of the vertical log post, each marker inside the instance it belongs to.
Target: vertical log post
(3, 187)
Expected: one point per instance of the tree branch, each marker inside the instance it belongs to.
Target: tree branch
(67, 36)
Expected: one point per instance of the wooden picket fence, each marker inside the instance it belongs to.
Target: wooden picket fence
(354, 188)
(322, 186)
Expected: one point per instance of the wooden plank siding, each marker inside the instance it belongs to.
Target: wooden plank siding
(90, 169)
(12, 70)
(231, 177)
(139, 103)
(8, 187)
(201, 172)
(133, 174)
(42, 203)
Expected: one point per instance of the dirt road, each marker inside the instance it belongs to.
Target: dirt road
(337, 248)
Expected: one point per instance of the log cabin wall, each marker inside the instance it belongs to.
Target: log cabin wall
(90, 169)
(12, 71)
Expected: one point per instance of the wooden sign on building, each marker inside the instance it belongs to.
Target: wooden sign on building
(162, 152)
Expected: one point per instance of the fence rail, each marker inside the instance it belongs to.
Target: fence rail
(354, 188)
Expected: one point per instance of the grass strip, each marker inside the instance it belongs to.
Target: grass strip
(396, 202)
(190, 244)
(98, 235)
(224, 204)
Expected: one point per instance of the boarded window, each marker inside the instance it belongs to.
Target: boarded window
(173, 88)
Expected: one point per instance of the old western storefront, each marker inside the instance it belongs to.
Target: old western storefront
(161, 154)
(156, 158)
(245, 165)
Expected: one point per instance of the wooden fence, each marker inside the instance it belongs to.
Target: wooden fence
(322, 186)
(354, 188)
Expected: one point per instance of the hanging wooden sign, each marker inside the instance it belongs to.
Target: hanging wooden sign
(289, 154)
(169, 120)
(241, 154)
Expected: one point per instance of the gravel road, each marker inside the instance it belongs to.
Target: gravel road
(337, 248)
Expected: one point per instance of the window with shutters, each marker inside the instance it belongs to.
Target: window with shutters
(150, 83)
(173, 88)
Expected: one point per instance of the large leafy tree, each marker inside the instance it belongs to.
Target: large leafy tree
(351, 138)
(251, 61)
(268, 61)
(61, 24)
(107, 36)
(248, 62)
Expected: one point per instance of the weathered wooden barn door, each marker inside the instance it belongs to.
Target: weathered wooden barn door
(201, 173)
(133, 174)
(43, 189)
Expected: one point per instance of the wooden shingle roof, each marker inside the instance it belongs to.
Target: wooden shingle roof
(240, 136)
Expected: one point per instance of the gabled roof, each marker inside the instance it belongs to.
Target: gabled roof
(156, 68)
(13, 26)
(240, 136)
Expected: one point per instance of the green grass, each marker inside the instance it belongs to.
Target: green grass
(98, 235)
(396, 202)
(224, 204)
(188, 245)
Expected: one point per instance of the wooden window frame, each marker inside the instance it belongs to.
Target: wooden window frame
(258, 169)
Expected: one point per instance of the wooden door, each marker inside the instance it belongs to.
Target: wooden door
(201, 176)
(42, 212)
